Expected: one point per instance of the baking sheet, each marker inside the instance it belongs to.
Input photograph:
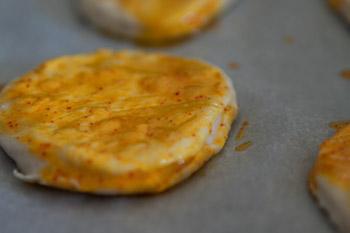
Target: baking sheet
(288, 92)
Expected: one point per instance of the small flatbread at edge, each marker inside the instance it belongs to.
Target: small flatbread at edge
(330, 178)
(343, 7)
(152, 20)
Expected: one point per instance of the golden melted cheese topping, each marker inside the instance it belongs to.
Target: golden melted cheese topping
(117, 120)
(163, 19)
(333, 162)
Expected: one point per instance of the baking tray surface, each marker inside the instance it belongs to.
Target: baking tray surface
(290, 54)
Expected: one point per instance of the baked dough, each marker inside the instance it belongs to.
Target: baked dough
(115, 122)
(152, 20)
(330, 178)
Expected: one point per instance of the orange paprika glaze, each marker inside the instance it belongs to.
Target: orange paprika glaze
(168, 19)
(333, 163)
(118, 122)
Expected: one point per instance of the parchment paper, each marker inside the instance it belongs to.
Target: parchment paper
(289, 92)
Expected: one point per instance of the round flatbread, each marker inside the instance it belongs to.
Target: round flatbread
(115, 122)
(152, 20)
(330, 178)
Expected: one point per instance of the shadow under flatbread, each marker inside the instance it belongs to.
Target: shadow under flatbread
(325, 214)
(6, 160)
